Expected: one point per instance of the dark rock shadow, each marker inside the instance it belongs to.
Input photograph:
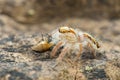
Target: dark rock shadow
(96, 74)
(14, 75)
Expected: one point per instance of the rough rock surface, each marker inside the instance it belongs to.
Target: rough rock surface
(18, 61)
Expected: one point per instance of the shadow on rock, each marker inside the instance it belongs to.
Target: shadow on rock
(13, 75)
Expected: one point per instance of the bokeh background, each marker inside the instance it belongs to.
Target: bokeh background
(97, 17)
(35, 11)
